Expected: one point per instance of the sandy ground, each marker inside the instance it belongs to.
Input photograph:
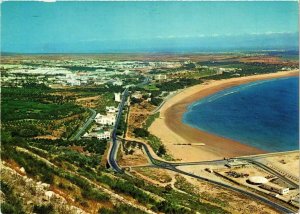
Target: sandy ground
(286, 163)
(171, 130)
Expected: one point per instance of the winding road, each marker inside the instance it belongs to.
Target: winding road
(172, 167)
(112, 156)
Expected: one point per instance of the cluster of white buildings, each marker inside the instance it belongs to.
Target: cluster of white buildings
(109, 118)
(101, 135)
(76, 72)
(58, 76)
(142, 64)
(104, 122)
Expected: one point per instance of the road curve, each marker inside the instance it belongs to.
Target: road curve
(166, 165)
(113, 150)
(172, 167)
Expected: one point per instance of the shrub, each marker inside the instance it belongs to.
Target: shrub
(94, 194)
(140, 132)
(43, 209)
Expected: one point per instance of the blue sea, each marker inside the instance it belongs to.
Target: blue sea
(262, 114)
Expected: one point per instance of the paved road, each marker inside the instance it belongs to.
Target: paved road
(272, 171)
(83, 128)
(164, 101)
(112, 155)
(172, 167)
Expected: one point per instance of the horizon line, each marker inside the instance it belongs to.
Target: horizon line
(3, 53)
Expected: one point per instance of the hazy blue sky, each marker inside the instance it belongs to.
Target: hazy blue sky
(142, 26)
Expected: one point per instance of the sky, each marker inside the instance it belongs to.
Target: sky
(89, 27)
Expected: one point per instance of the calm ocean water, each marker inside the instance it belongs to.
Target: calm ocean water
(263, 114)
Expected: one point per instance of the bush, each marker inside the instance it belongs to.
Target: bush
(161, 150)
(140, 132)
(94, 194)
(7, 208)
(135, 100)
(43, 209)
(156, 101)
(121, 209)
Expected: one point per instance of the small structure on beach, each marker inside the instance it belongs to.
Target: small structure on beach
(257, 180)
(236, 163)
(275, 188)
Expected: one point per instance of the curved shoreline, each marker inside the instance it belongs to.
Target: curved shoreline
(171, 130)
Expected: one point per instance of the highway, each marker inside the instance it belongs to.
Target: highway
(83, 128)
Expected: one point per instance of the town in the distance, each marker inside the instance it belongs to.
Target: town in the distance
(103, 133)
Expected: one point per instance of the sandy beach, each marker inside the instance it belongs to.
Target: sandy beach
(169, 128)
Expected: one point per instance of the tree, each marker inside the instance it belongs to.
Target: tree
(43, 209)
(161, 150)
(140, 132)
(168, 187)
(156, 101)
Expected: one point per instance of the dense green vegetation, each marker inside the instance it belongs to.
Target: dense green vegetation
(41, 169)
(15, 110)
(79, 68)
(140, 132)
(12, 204)
(31, 111)
(43, 209)
(174, 85)
(120, 209)
(153, 141)
(151, 87)
(243, 69)
(156, 101)
(97, 90)
(156, 145)
(173, 203)
(122, 126)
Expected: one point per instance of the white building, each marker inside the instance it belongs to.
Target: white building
(137, 95)
(103, 135)
(118, 97)
(275, 188)
(105, 119)
(235, 163)
(73, 82)
(160, 77)
(111, 109)
(86, 135)
(118, 83)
